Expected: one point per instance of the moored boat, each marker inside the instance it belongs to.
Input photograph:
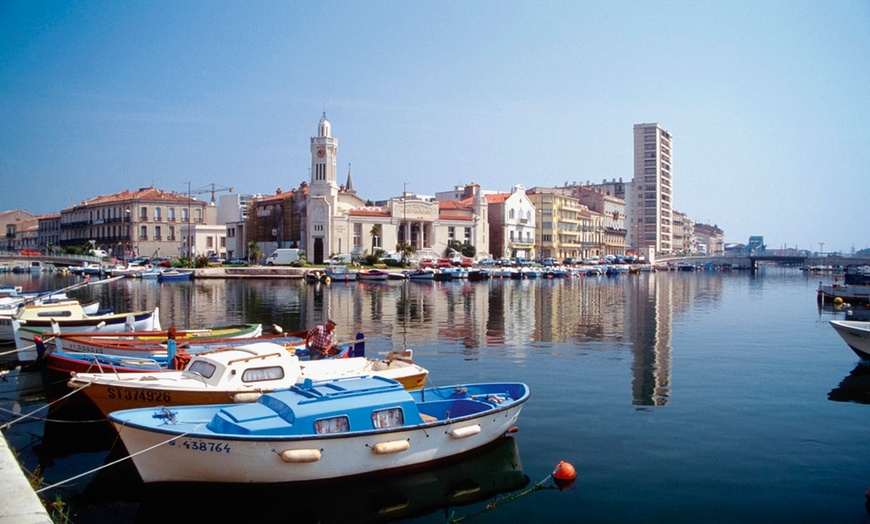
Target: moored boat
(318, 431)
(173, 275)
(234, 375)
(340, 273)
(372, 274)
(856, 333)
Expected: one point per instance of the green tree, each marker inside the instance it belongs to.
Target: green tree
(255, 252)
(375, 232)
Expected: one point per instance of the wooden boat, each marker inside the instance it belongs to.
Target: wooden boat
(73, 318)
(233, 375)
(856, 333)
(318, 430)
(340, 274)
(143, 345)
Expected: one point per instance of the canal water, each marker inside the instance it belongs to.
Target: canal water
(677, 397)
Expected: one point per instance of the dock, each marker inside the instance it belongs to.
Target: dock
(19, 503)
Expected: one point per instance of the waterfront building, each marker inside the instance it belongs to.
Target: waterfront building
(600, 199)
(650, 206)
(684, 234)
(48, 235)
(567, 228)
(710, 240)
(147, 222)
(15, 223)
(512, 224)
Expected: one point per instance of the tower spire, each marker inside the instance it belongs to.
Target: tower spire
(349, 185)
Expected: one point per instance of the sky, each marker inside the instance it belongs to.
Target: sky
(768, 102)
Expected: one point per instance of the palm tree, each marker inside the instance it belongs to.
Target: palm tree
(375, 232)
(254, 251)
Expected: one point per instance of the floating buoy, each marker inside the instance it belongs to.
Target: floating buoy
(564, 471)
(564, 475)
(328, 280)
(838, 301)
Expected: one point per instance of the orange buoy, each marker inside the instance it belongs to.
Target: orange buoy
(564, 471)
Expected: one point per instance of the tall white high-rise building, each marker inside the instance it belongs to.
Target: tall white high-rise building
(650, 202)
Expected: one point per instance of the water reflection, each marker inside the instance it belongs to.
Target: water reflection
(516, 318)
(855, 387)
(493, 471)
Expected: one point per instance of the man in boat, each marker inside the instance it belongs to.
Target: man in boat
(320, 341)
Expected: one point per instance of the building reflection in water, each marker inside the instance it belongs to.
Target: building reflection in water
(513, 318)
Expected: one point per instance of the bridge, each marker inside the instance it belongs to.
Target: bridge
(753, 260)
(12, 259)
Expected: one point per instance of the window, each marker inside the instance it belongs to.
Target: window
(205, 369)
(467, 235)
(451, 233)
(158, 214)
(332, 425)
(143, 213)
(143, 233)
(260, 374)
(171, 232)
(157, 232)
(357, 235)
(184, 216)
(388, 418)
(172, 214)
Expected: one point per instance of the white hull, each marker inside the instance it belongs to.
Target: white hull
(856, 334)
(194, 458)
(848, 293)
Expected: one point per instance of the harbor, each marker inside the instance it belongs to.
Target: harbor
(678, 376)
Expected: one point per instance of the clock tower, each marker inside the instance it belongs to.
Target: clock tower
(322, 193)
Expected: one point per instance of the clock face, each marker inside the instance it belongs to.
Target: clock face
(320, 153)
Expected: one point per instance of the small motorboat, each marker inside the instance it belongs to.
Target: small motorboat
(175, 275)
(372, 274)
(322, 430)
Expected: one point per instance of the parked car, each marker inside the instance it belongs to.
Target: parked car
(466, 262)
(444, 262)
(428, 262)
(237, 261)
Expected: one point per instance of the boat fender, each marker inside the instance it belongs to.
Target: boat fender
(297, 456)
(247, 397)
(467, 431)
(393, 446)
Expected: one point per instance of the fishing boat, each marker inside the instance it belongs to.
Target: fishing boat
(234, 375)
(73, 318)
(856, 333)
(848, 293)
(317, 431)
(138, 344)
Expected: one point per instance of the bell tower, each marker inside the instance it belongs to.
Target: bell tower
(322, 203)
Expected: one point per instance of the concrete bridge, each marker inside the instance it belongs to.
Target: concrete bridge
(752, 261)
(59, 260)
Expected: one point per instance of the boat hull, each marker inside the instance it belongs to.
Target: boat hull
(856, 334)
(188, 452)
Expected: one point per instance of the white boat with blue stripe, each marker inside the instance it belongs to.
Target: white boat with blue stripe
(321, 430)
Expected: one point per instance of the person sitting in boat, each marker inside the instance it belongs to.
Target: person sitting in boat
(320, 341)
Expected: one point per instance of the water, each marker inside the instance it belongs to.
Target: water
(677, 397)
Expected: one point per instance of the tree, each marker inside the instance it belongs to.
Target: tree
(255, 252)
(406, 249)
(375, 232)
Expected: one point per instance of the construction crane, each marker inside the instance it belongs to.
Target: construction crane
(210, 188)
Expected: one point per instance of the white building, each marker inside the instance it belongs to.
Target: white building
(649, 199)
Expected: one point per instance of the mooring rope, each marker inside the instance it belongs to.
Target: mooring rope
(122, 459)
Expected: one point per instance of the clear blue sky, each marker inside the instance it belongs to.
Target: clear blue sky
(768, 102)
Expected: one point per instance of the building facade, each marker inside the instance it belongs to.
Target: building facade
(146, 222)
(650, 206)
(512, 224)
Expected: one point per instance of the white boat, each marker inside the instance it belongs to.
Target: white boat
(372, 274)
(856, 333)
(73, 318)
(233, 375)
(340, 274)
(317, 431)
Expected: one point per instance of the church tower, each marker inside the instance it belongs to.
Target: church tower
(322, 193)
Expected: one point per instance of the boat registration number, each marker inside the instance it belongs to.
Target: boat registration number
(201, 445)
(141, 395)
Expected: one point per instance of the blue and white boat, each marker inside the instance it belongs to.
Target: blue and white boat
(318, 430)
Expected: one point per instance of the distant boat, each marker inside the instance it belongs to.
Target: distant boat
(423, 273)
(315, 431)
(372, 274)
(340, 273)
(172, 275)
